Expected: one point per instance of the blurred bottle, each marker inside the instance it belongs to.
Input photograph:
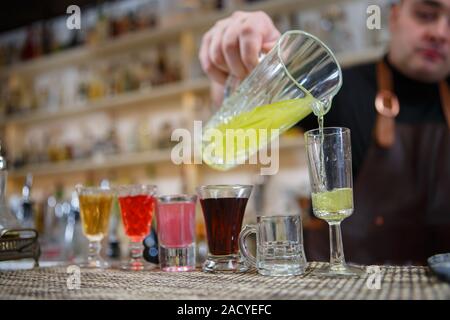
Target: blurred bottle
(3, 56)
(25, 215)
(30, 48)
(200, 237)
(259, 195)
(164, 140)
(151, 247)
(56, 212)
(144, 139)
(48, 39)
(74, 241)
(7, 220)
(113, 248)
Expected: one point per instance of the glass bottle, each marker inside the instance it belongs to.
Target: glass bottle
(7, 220)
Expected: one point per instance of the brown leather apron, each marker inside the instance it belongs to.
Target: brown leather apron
(402, 193)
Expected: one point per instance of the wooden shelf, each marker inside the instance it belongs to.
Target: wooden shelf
(192, 25)
(116, 161)
(111, 103)
(141, 39)
(160, 92)
(104, 162)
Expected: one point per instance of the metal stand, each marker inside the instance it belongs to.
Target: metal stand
(19, 244)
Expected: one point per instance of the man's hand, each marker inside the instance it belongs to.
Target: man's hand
(233, 44)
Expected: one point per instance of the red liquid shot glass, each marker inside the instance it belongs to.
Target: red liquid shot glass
(137, 206)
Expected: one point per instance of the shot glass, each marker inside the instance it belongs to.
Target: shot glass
(95, 210)
(175, 219)
(137, 205)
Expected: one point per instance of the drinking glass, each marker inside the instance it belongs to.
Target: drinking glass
(95, 209)
(175, 217)
(223, 209)
(299, 75)
(137, 205)
(329, 160)
(279, 245)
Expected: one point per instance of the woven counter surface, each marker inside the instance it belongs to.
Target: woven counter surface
(51, 283)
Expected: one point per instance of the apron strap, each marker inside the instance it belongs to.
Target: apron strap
(388, 106)
(444, 90)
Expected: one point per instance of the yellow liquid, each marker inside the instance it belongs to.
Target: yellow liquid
(334, 205)
(95, 211)
(280, 115)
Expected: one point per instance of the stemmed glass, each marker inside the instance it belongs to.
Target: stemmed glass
(137, 205)
(330, 170)
(95, 210)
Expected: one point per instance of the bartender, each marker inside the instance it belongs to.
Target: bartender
(398, 111)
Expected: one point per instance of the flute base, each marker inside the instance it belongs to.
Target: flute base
(343, 270)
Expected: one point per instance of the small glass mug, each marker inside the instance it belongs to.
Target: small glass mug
(223, 209)
(279, 243)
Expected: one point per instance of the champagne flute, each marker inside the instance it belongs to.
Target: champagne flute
(329, 160)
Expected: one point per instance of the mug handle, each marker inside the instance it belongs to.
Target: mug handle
(249, 258)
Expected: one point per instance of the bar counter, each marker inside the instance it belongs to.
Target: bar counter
(394, 283)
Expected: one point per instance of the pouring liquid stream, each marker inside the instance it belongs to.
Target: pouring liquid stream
(320, 109)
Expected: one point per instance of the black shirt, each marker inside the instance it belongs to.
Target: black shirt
(354, 106)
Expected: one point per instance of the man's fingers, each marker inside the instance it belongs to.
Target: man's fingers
(231, 51)
(233, 45)
(215, 48)
(266, 47)
(250, 46)
(211, 70)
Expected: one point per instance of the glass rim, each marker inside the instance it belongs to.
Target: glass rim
(224, 186)
(177, 198)
(335, 131)
(322, 44)
(284, 216)
(125, 187)
(79, 188)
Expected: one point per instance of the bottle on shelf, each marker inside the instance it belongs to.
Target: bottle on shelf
(74, 241)
(7, 220)
(144, 137)
(113, 250)
(30, 49)
(101, 26)
(151, 247)
(55, 222)
(48, 38)
(26, 212)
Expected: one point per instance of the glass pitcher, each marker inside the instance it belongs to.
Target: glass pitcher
(298, 76)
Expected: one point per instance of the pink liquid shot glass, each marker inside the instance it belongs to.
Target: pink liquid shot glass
(175, 218)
